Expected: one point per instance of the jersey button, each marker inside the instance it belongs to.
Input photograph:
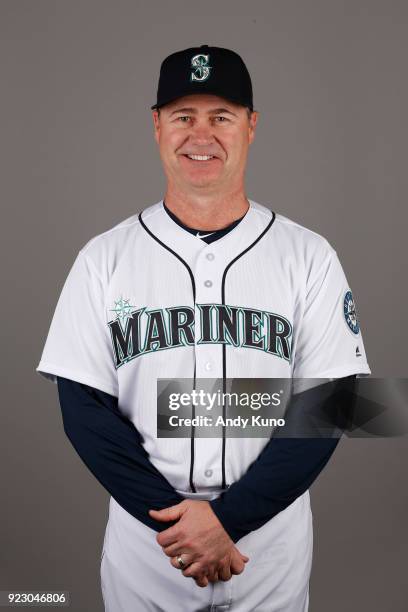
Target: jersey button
(210, 256)
(208, 283)
(208, 366)
(208, 473)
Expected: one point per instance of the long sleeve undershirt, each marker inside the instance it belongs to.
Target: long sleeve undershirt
(110, 446)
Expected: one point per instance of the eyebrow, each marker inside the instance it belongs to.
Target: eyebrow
(213, 111)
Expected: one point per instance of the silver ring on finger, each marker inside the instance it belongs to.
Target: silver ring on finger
(180, 561)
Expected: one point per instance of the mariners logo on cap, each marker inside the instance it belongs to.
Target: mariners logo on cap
(200, 68)
(350, 313)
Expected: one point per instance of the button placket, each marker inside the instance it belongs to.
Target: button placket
(208, 291)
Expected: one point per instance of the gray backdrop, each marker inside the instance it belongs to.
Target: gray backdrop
(78, 156)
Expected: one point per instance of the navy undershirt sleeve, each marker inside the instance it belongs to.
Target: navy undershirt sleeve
(284, 471)
(287, 466)
(111, 447)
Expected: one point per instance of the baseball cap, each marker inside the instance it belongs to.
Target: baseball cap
(204, 69)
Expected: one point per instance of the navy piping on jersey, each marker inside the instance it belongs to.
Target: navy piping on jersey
(224, 363)
(112, 448)
(142, 223)
(215, 235)
(224, 352)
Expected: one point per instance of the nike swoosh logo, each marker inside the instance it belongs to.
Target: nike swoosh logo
(204, 235)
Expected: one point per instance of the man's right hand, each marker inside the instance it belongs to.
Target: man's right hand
(232, 563)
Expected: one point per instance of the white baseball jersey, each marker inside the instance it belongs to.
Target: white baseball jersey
(147, 300)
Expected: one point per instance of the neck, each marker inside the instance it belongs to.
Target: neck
(203, 211)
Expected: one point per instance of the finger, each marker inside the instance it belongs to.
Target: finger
(195, 570)
(179, 546)
(245, 558)
(173, 550)
(237, 565)
(176, 564)
(213, 576)
(201, 582)
(168, 536)
(178, 549)
(172, 513)
(224, 572)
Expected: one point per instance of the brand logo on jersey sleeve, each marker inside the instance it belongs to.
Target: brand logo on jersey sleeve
(350, 313)
(137, 331)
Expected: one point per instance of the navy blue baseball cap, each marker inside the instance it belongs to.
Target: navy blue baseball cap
(204, 69)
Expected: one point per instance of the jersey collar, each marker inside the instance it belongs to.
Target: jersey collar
(188, 246)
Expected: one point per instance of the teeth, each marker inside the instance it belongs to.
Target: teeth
(200, 157)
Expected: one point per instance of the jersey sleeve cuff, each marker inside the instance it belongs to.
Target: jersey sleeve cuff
(51, 372)
(361, 369)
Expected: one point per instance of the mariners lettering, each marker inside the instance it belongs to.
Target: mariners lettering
(145, 331)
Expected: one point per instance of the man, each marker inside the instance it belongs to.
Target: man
(205, 283)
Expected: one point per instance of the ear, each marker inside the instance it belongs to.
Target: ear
(156, 125)
(252, 126)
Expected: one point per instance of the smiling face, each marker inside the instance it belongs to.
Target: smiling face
(203, 141)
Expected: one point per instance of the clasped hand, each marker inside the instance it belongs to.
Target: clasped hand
(207, 551)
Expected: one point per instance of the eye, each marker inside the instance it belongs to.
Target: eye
(221, 118)
(181, 119)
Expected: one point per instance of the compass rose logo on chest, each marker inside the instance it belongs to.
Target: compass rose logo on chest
(123, 310)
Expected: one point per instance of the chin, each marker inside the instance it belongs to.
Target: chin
(203, 178)
(201, 183)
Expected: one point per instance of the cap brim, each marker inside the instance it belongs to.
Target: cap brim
(191, 93)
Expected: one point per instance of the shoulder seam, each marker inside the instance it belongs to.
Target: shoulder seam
(93, 266)
(120, 226)
(265, 214)
(286, 221)
(113, 229)
(151, 213)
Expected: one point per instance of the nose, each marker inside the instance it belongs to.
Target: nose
(201, 134)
